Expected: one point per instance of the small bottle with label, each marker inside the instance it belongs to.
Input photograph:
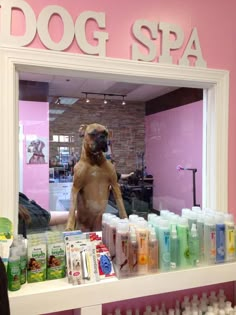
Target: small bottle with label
(152, 251)
(174, 248)
(209, 240)
(194, 246)
(164, 245)
(133, 252)
(142, 239)
(14, 270)
(220, 238)
(229, 237)
(122, 237)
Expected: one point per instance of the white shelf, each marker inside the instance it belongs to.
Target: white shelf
(58, 295)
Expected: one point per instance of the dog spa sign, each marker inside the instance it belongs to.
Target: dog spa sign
(144, 47)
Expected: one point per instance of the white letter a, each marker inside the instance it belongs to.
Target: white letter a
(189, 51)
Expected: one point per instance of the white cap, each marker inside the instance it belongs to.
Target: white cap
(228, 217)
(133, 217)
(196, 209)
(141, 224)
(183, 221)
(185, 211)
(163, 223)
(163, 213)
(122, 226)
(209, 220)
(151, 216)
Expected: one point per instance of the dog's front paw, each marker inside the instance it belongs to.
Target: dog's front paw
(69, 227)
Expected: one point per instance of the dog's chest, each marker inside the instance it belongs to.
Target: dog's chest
(97, 173)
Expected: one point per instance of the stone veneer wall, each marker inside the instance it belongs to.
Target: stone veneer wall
(126, 123)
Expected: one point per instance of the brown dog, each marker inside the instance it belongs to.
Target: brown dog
(94, 175)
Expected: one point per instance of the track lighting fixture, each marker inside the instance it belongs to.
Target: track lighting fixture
(105, 96)
(123, 102)
(105, 101)
(86, 98)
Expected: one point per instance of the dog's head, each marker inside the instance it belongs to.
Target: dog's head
(95, 138)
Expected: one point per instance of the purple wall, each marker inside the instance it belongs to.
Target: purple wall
(34, 118)
(174, 137)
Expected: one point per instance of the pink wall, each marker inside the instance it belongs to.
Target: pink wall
(34, 118)
(216, 31)
(174, 137)
(214, 20)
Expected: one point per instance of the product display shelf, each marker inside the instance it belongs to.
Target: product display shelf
(58, 295)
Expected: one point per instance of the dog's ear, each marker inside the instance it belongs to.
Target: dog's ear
(82, 129)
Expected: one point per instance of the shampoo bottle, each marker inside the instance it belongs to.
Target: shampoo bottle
(220, 238)
(183, 234)
(13, 270)
(142, 239)
(112, 237)
(209, 240)
(194, 246)
(229, 238)
(200, 229)
(152, 251)
(132, 252)
(122, 235)
(164, 245)
(174, 248)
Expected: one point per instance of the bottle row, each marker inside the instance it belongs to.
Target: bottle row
(168, 241)
(214, 303)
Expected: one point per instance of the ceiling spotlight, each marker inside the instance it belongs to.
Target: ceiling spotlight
(123, 102)
(105, 101)
(86, 98)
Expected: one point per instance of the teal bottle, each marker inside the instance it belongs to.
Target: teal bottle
(164, 245)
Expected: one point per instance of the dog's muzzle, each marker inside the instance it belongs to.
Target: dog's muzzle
(101, 144)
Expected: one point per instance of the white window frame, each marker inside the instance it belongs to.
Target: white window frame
(216, 95)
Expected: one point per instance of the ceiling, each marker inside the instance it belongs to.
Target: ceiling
(62, 86)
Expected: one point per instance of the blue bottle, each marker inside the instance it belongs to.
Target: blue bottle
(220, 238)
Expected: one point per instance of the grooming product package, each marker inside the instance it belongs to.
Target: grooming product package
(36, 258)
(81, 262)
(56, 265)
(105, 265)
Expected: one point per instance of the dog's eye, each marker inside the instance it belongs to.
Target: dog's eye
(93, 133)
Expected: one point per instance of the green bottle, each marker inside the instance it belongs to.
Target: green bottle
(194, 247)
(183, 234)
(13, 270)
